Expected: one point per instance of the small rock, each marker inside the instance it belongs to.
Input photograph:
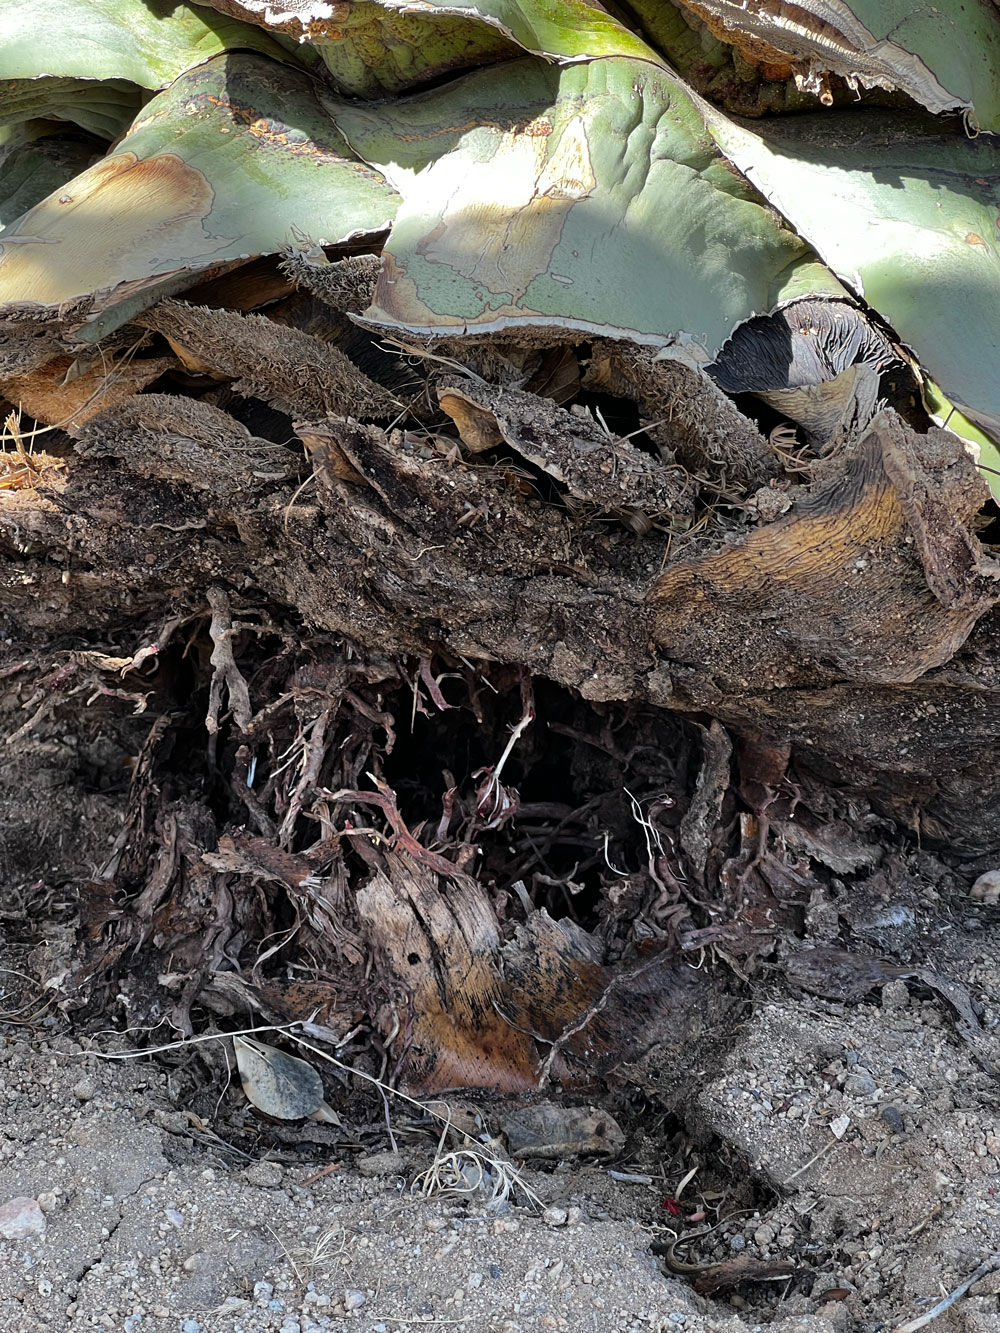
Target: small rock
(48, 1201)
(555, 1217)
(85, 1090)
(174, 1122)
(266, 1175)
(840, 1126)
(21, 1218)
(382, 1164)
(892, 1117)
(764, 1235)
(354, 1299)
(986, 888)
(859, 1083)
(895, 994)
(548, 1129)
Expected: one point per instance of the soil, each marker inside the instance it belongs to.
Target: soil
(857, 1144)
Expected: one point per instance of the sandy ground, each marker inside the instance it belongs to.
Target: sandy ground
(870, 1135)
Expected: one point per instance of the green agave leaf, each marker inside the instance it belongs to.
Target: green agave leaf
(980, 446)
(146, 42)
(946, 56)
(236, 159)
(369, 50)
(562, 29)
(35, 160)
(376, 46)
(906, 215)
(588, 196)
(105, 109)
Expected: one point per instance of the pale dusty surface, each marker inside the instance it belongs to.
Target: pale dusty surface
(152, 1226)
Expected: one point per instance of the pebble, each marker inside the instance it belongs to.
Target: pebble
(382, 1164)
(893, 1119)
(859, 1083)
(840, 1126)
(266, 1175)
(85, 1090)
(895, 994)
(555, 1217)
(20, 1218)
(353, 1300)
(986, 888)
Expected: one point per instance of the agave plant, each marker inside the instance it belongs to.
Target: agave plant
(538, 166)
(586, 347)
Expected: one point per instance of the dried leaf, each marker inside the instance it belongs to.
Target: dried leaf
(945, 56)
(187, 441)
(548, 1129)
(293, 371)
(52, 395)
(874, 577)
(278, 1084)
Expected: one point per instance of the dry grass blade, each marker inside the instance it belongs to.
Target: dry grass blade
(472, 1169)
(20, 468)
